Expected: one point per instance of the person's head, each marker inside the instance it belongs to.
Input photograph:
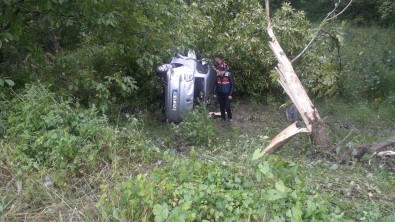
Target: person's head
(218, 58)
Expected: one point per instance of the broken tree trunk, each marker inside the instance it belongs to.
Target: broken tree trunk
(283, 137)
(295, 90)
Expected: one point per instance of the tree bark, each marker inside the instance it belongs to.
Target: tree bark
(295, 90)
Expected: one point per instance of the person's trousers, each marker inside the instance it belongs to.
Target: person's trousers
(224, 104)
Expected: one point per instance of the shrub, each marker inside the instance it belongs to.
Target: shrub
(48, 131)
(194, 190)
(197, 128)
(369, 65)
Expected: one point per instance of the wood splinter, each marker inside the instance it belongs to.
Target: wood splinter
(283, 137)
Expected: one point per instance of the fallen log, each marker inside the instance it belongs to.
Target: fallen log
(361, 150)
(283, 137)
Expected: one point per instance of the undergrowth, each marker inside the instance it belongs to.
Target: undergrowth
(197, 128)
(48, 131)
(187, 189)
(55, 151)
(62, 161)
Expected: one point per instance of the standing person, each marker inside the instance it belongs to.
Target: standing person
(225, 85)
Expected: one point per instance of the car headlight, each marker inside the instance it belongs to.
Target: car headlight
(174, 99)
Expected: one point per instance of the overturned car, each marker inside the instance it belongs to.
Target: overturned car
(187, 81)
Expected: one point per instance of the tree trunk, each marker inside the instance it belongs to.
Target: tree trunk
(55, 39)
(294, 88)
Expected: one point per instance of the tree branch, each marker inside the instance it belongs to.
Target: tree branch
(336, 15)
(325, 20)
(269, 23)
(16, 94)
(344, 139)
(307, 46)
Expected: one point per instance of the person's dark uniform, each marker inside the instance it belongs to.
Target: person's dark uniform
(225, 85)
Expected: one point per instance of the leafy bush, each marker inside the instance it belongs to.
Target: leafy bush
(369, 65)
(48, 131)
(197, 128)
(194, 190)
(95, 75)
(237, 30)
(387, 12)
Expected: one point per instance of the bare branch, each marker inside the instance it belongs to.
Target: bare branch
(344, 139)
(269, 23)
(330, 13)
(307, 46)
(16, 94)
(336, 15)
(326, 19)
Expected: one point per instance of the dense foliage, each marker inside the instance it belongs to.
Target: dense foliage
(193, 190)
(103, 52)
(196, 129)
(77, 90)
(49, 132)
(368, 65)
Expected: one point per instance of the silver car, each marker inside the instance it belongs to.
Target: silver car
(187, 82)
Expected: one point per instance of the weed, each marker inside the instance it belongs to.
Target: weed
(48, 132)
(187, 189)
(197, 128)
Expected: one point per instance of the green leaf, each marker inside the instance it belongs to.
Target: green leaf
(366, 157)
(390, 218)
(115, 213)
(9, 82)
(161, 212)
(275, 195)
(296, 213)
(281, 187)
(1, 43)
(265, 168)
(257, 154)
(311, 207)
(1, 82)
(9, 36)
